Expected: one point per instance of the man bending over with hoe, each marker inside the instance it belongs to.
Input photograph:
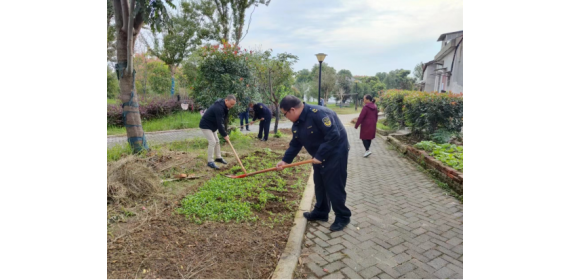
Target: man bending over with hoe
(320, 131)
(213, 120)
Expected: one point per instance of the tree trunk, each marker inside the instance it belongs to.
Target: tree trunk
(131, 112)
(276, 117)
(172, 70)
(276, 103)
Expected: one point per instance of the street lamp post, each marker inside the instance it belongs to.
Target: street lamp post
(320, 58)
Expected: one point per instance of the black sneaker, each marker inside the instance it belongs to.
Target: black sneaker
(213, 165)
(312, 217)
(241, 129)
(339, 225)
(247, 129)
(221, 160)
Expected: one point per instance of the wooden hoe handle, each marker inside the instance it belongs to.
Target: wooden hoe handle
(242, 168)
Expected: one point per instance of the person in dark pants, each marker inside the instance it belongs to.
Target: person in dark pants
(212, 120)
(244, 116)
(321, 132)
(264, 114)
(367, 122)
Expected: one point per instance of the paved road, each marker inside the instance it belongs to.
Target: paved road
(179, 135)
(403, 225)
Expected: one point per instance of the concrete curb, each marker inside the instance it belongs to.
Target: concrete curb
(290, 256)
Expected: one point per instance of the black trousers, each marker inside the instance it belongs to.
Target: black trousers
(244, 116)
(330, 182)
(264, 127)
(367, 144)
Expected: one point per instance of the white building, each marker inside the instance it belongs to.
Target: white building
(445, 71)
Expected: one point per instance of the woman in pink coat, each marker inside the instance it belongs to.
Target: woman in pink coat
(368, 119)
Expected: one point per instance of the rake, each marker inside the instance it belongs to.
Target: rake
(270, 169)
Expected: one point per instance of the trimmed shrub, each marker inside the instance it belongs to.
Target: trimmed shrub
(424, 112)
(150, 109)
(427, 113)
(392, 102)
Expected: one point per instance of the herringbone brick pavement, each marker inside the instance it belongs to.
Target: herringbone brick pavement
(403, 225)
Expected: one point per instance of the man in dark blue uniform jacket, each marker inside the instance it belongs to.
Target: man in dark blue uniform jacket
(264, 114)
(320, 131)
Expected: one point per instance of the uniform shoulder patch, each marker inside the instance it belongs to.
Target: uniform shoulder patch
(314, 110)
(260, 106)
(327, 121)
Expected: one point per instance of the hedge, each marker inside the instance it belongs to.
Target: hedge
(154, 108)
(423, 112)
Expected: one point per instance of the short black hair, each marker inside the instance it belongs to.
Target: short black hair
(289, 102)
(231, 97)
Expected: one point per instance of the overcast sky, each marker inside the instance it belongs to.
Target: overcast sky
(363, 36)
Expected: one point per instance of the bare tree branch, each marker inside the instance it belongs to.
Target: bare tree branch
(118, 13)
(125, 8)
(247, 31)
(138, 24)
(130, 39)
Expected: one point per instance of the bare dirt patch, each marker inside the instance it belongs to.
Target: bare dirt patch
(148, 239)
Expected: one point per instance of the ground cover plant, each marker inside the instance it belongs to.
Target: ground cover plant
(449, 154)
(238, 230)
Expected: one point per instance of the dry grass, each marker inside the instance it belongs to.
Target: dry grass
(131, 178)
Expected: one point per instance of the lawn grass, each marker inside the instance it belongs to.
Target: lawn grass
(115, 152)
(380, 124)
(344, 110)
(180, 120)
(349, 109)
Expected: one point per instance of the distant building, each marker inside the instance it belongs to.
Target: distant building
(445, 71)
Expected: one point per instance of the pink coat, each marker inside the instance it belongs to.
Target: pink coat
(368, 119)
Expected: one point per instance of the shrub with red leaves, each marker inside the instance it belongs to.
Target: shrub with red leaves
(151, 108)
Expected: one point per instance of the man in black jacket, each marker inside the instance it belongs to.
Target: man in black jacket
(213, 120)
(264, 114)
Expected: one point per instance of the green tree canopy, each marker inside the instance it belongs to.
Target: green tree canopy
(226, 18)
(223, 70)
(328, 80)
(274, 76)
(418, 72)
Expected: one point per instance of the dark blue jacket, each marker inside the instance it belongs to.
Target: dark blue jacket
(261, 111)
(320, 131)
(215, 116)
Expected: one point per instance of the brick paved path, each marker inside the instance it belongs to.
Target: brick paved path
(403, 225)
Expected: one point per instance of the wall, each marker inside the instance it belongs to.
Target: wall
(429, 78)
(447, 60)
(457, 74)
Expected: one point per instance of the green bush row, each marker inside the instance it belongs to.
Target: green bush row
(424, 112)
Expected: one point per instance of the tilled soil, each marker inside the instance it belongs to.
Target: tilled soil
(158, 243)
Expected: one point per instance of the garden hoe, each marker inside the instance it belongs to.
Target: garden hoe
(271, 169)
(242, 168)
(241, 126)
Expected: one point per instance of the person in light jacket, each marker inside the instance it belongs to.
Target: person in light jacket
(367, 122)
